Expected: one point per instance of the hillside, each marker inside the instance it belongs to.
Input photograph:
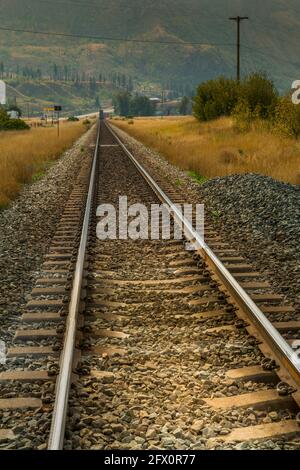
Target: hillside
(270, 37)
(32, 96)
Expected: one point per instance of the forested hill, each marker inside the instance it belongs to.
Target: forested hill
(270, 38)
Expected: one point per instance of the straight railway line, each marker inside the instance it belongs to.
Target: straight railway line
(142, 344)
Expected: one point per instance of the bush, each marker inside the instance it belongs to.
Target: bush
(287, 118)
(73, 119)
(255, 94)
(260, 95)
(86, 122)
(245, 117)
(215, 98)
(7, 124)
(13, 124)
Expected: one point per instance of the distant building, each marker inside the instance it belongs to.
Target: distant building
(13, 114)
(2, 92)
(155, 100)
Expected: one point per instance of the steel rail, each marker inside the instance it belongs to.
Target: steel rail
(63, 383)
(285, 353)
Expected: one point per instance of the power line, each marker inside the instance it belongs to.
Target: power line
(120, 39)
(143, 41)
(91, 3)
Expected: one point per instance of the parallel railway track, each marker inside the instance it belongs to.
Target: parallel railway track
(104, 316)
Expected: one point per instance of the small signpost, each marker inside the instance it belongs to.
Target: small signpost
(57, 109)
(53, 110)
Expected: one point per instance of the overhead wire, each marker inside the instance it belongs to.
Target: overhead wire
(111, 38)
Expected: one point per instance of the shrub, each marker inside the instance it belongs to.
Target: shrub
(73, 119)
(287, 118)
(244, 116)
(222, 97)
(13, 124)
(215, 98)
(7, 124)
(260, 94)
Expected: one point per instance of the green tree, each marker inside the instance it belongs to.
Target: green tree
(260, 94)
(92, 86)
(122, 103)
(221, 97)
(141, 106)
(184, 106)
(97, 102)
(130, 85)
(215, 98)
(55, 72)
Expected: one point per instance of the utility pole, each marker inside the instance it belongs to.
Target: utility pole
(238, 20)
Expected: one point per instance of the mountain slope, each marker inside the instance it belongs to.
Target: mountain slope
(269, 38)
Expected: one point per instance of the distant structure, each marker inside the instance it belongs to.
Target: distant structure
(2, 92)
(155, 100)
(13, 114)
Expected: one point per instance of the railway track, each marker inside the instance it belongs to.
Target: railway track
(142, 344)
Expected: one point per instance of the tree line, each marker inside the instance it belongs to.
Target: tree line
(127, 104)
(67, 73)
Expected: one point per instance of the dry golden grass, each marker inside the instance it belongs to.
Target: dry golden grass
(24, 154)
(217, 148)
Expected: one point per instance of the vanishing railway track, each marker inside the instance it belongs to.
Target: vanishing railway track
(142, 344)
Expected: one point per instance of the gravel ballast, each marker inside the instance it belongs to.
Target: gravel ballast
(154, 395)
(256, 215)
(27, 227)
(151, 391)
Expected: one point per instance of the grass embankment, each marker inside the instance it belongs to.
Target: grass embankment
(25, 155)
(218, 148)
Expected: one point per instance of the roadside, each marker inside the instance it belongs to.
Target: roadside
(25, 155)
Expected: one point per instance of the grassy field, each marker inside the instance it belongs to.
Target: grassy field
(25, 155)
(217, 148)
